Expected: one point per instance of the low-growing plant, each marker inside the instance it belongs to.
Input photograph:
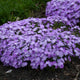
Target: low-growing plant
(68, 10)
(43, 46)
(39, 41)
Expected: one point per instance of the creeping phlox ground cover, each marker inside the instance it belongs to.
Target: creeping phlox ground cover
(35, 41)
(68, 10)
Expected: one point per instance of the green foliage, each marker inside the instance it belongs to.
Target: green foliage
(11, 10)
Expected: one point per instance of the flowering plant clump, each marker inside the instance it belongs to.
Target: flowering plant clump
(41, 42)
(68, 10)
(34, 40)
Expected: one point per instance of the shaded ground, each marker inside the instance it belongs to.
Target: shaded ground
(71, 71)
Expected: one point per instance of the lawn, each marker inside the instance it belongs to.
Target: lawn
(11, 10)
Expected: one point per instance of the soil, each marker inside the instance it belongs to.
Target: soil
(71, 71)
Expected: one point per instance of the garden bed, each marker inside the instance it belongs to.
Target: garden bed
(71, 70)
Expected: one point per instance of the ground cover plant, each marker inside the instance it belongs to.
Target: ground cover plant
(43, 47)
(68, 10)
(34, 41)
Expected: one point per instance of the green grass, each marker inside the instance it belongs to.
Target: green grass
(10, 10)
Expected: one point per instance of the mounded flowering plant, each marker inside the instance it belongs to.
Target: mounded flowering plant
(34, 40)
(68, 10)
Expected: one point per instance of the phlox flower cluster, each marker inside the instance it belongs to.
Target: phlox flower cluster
(68, 10)
(33, 40)
(38, 42)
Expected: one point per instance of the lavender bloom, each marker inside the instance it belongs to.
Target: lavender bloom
(66, 10)
(34, 40)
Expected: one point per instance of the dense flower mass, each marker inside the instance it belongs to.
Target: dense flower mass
(34, 40)
(68, 10)
(42, 42)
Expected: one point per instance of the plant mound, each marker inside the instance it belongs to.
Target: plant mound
(68, 10)
(35, 41)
